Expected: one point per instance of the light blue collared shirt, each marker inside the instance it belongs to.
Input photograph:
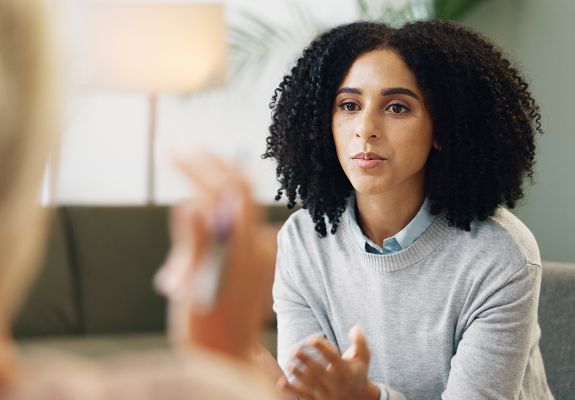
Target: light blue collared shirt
(401, 240)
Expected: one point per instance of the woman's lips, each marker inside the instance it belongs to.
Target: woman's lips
(367, 160)
(367, 164)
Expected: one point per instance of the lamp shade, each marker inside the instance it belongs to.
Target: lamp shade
(155, 48)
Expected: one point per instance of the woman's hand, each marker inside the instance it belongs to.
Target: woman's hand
(233, 322)
(344, 377)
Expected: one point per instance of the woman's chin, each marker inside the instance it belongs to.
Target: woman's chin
(369, 186)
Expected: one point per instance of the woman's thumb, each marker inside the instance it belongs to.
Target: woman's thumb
(358, 348)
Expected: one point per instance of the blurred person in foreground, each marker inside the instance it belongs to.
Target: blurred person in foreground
(214, 354)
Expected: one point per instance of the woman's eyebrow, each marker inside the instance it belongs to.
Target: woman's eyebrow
(348, 90)
(399, 90)
(384, 92)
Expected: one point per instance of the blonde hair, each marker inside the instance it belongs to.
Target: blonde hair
(27, 132)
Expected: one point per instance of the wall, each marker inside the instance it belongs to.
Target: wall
(539, 36)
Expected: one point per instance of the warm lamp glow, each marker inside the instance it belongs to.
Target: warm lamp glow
(156, 48)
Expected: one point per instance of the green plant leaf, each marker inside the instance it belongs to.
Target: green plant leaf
(254, 41)
(362, 8)
(453, 9)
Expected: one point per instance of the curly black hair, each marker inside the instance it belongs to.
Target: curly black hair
(484, 120)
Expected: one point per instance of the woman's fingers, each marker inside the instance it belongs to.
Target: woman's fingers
(321, 372)
(327, 350)
(313, 369)
(313, 366)
(298, 389)
(358, 349)
(306, 376)
(310, 370)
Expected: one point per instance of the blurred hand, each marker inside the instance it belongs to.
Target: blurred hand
(342, 377)
(233, 323)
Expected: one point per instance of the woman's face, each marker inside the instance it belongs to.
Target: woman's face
(382, 130)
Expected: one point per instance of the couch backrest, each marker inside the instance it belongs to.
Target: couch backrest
(98, 270)
(52, 305)
(97, 273)
(116, 252)
(557, 320)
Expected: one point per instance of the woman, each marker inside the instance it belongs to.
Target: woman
(408, 142)
(214, 361)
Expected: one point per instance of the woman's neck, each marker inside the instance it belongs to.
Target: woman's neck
(384, 215)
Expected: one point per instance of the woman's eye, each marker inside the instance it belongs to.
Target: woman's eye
(349, 106)
(397, 108)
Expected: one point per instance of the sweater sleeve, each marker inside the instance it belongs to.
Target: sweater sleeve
(491, 358)
(295, 318)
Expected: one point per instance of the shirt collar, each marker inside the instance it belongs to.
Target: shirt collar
(401, 240)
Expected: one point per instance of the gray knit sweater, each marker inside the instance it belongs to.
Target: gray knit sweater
(453, 316)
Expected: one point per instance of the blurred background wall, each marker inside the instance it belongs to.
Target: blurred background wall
(540, 35)
(103, 156)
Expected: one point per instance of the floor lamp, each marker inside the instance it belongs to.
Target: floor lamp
(155, 49)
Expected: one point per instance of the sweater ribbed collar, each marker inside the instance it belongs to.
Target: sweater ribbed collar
(423, 247)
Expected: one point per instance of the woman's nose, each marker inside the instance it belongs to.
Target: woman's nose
(368, 127)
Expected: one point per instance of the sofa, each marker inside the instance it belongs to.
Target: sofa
(93, 295)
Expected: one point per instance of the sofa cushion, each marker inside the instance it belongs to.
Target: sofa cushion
(50, 308)
(117, 252)
(557, 320)
(95, 345)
